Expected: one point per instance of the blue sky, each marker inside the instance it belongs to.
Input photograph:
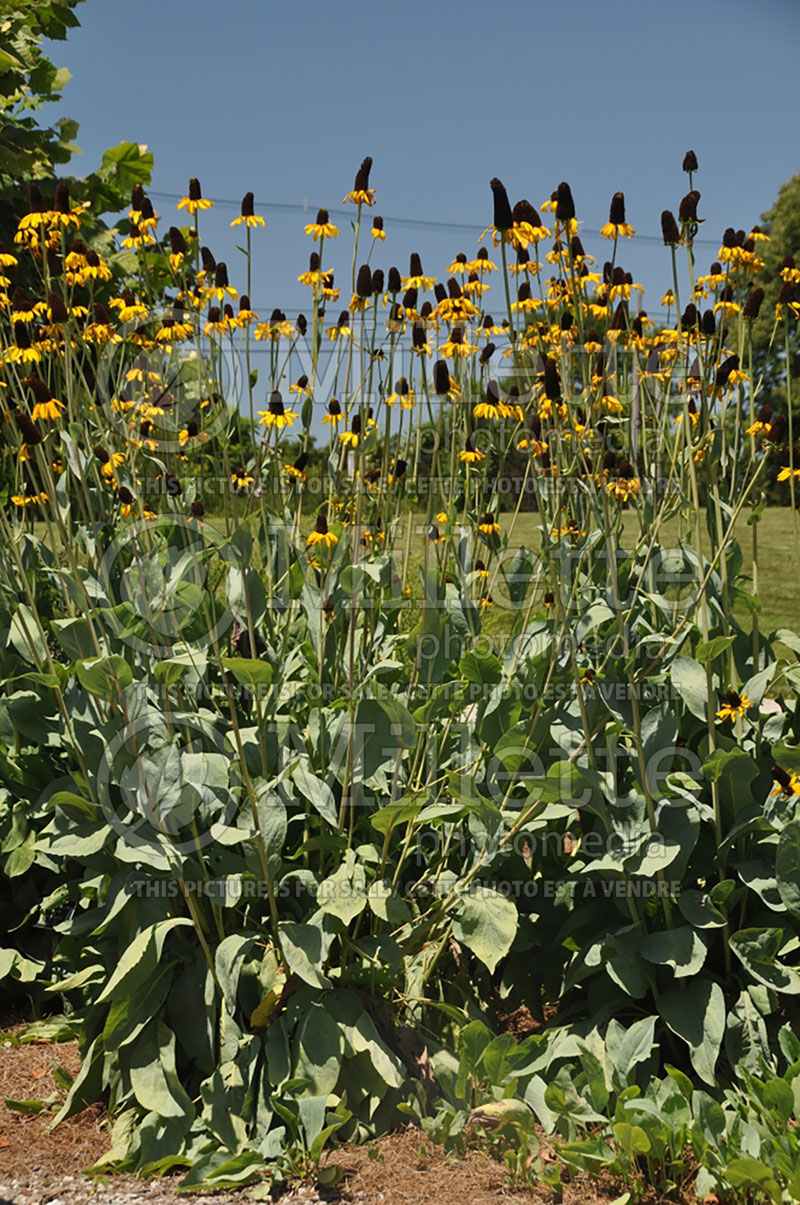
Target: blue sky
(286, 100)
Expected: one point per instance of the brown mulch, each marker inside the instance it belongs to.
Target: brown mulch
(39, 1166)
(26, 1144)
(406, 1169)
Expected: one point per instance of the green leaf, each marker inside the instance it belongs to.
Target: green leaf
(746, 1172)
(140, 957)
(248, 671)
(721, 760)
(627, 1047)
(344, 893)
(25, 636)
(272, 823)
(699, 910)
(709, 652)
(680, 948)
(757, 950)
(75, 638)
(104, 677)
(387, 905)
(302, 949)
(696, 1013)
(481, 667)
(317, 792)
(486, 923)
(632, 1139)
(689, 679)
(319, 1050)
(787, 867)
(28, 1107)
(214, 1171)
(395, 813)
(153, 1076)
(231, 953)
(20, 860)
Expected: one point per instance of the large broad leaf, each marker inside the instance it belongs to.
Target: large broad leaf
(627, 1047)
(272, 822)
(344, 893)
(317, 792)
(696, 1013)
(249, 672)
(105, 677)
(689, 679)
(680, 948)
(752, 1174)
(787, 868)
(141, 957)
(302, 949)
(24, 634)
(381, 727)
(622, 955)
(231, 953)
(319, 1050)
(757, 950)
(698, 908)
(153, 1076)
(487, 923)
(87, 1085)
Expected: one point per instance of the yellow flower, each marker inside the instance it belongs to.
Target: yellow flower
(610, 404)
(128, 307)
(28, 499)
(137, 237)
(195, 200)
(361, 193)
(441, 517)
(378, 231)
(482, 264)
(616, 226)
(47, 410)
(786, 782)
(455, 345)
(321, 535)
(276, 415)
(734, 707)
(416, 279)
(401, 393)
(471, 455)
(247, 215)
(241, 479)
(488, 525)
(323, 227)
(216, 324)
(295, 472)
(626, 485)
(489, 409)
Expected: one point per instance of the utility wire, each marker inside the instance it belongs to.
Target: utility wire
(407, 223)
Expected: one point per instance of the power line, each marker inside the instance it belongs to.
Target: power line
(406, 223)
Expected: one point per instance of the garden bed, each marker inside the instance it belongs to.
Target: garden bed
(39, 1166)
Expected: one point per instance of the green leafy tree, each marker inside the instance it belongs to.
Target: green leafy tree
(28, 80)
(782, 224)
(33, 152)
